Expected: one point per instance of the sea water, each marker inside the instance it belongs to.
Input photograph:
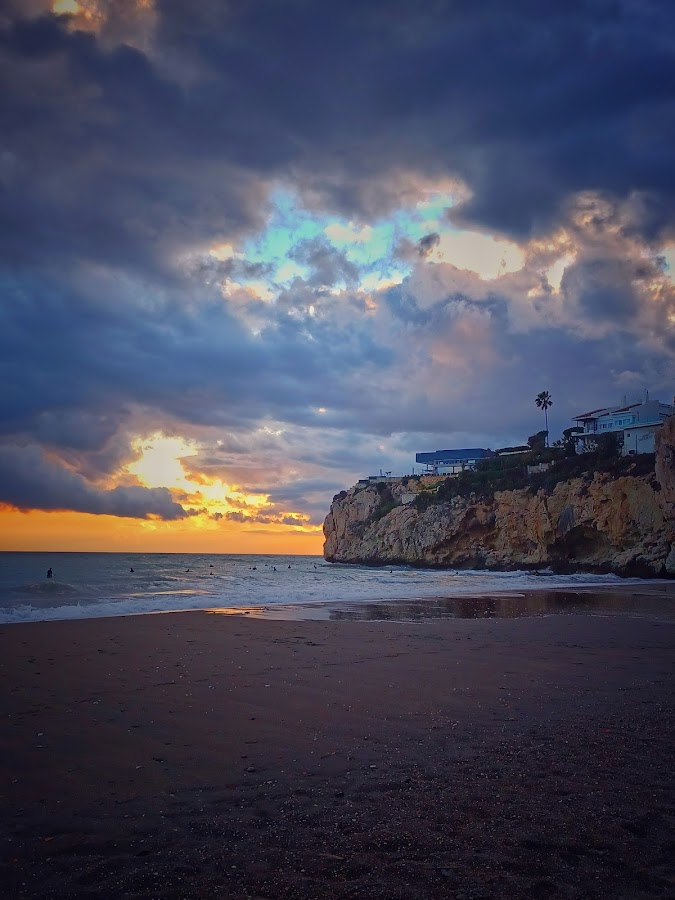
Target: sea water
(91, 585)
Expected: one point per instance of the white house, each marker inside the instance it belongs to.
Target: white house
(634, 424)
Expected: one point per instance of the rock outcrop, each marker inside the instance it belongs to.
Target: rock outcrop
(594, 523)
(665, 475)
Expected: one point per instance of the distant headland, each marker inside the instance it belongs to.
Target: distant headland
(603, 510)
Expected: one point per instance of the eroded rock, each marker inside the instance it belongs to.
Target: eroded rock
(597, 523)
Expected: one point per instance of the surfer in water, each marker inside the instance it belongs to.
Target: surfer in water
(50, 574)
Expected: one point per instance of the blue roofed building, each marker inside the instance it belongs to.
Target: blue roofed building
(450, 462)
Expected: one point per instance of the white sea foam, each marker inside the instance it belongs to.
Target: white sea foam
(98, 585)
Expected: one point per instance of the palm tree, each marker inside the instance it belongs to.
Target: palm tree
(543, 401)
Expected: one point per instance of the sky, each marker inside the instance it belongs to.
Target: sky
(254, 250)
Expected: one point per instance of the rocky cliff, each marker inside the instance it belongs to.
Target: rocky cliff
(597, 522)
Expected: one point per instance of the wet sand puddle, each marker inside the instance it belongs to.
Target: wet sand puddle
(652, 602)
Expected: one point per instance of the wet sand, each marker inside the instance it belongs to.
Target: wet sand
(655, 600)
(196, 755)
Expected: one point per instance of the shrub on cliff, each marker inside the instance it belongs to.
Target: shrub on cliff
(423, 501)
(537, 441)
(501, 464)
(608, 446)
(386, 504)
(483, 482)
(586, 465)
(490, 475)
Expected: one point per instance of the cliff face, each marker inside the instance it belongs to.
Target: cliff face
(596, 523)
(665, 474)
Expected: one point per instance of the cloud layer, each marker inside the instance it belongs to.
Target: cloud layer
(30, 481)
(316, 238)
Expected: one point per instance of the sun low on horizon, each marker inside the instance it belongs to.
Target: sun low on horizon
(221, 515)
(159, 464)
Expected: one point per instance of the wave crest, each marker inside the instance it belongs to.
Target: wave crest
(49, 587)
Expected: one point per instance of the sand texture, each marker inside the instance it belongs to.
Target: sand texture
(196, 755)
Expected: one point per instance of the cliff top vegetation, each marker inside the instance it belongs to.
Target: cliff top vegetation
(511, 473)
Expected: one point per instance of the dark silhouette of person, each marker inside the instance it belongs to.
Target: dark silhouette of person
(50, 574)
(131, 570)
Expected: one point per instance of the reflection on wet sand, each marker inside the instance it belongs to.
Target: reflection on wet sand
(653, 601)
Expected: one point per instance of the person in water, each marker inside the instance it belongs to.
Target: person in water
(50, 574)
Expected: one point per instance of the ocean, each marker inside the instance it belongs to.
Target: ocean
(92, 585)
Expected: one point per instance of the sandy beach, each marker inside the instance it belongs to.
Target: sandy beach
(198, 755)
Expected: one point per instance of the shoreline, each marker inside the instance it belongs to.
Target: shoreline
(555, 601)
(521, 602)
(202, 755)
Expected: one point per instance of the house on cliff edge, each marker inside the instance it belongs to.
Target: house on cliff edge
(634, 424)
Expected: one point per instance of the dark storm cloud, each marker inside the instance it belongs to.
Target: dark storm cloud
(211, 269)
(79, 352)
(117, 156)
(120, 165)
(92, 443)
(297, 492)
(328, 266)
(402, 303)
(602, 288)
(427, 243)
(307, 494)
(265, 518)
(99, 158)
(89, 360)
(28, 480)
